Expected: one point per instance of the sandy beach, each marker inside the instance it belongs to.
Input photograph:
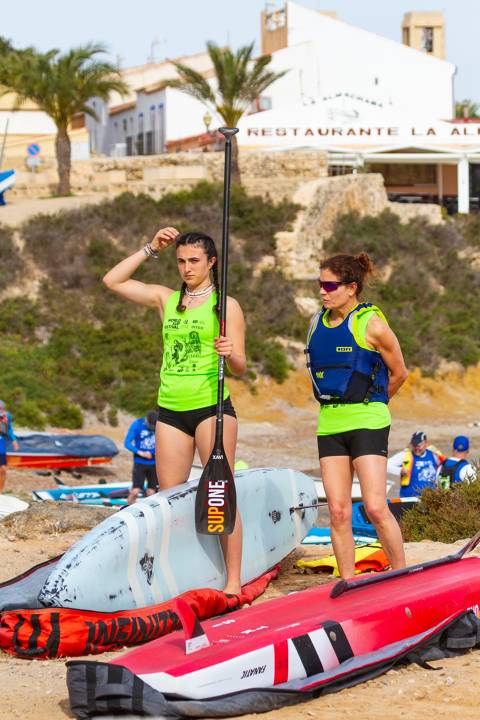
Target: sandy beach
(274, 431)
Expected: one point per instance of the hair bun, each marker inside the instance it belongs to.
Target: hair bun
(365, 262)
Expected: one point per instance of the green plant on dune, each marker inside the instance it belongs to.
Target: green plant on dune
(444, 515)
(77, 347)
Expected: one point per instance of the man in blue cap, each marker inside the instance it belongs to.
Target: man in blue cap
(6, 433)
(457, 468)
(420, 465)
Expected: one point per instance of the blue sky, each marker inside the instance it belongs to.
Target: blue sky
(182, 27)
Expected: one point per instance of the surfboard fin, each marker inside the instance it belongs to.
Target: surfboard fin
(195, 636)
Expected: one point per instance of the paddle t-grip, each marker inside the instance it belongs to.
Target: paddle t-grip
(228, 133)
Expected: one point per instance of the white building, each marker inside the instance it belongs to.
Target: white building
(152, 114)
(325, 57)
(367, 100)
(363, 98)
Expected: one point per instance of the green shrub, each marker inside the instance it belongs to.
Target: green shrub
(28, 414)
(63, 414)
(10, 259)
(444, 515)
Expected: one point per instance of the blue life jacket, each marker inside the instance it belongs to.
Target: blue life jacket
(423, 474)
(449, 471)
(343, 369)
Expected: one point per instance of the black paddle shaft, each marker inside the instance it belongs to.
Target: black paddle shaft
(343, 586)
(228, 133)
(216, 502)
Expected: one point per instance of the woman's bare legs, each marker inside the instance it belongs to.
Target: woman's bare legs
(174, 451)
(337, 473)
(372, 473)
(231, 544)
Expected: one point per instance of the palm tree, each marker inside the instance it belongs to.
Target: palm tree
(239, 81)
(466, 109)
(61, 85)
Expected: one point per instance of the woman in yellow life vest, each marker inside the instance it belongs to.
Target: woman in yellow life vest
(356, 366)
(188, 377)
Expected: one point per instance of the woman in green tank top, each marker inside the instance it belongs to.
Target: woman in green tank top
(188, 377)
(356, 366)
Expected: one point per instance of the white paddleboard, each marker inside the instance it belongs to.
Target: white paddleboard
(150, 552)
(10, 504)
(356, 489)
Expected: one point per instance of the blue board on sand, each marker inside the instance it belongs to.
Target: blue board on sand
(321, 536)
(361, 523)
(149, 552)
(88, 494)
(363, 530)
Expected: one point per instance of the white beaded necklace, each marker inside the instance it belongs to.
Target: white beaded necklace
(198, 293)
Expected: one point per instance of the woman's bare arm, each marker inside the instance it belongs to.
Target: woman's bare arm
(119, 278)
(232, 347)
(383, 339)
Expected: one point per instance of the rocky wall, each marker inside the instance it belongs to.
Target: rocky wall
(278, 174)
(324, 200)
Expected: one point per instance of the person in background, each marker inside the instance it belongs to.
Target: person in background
(457, 468)
(140, 440)
(6, 433)
(420, 465)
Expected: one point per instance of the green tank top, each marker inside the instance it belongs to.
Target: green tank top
(333, 419)
(189, 372)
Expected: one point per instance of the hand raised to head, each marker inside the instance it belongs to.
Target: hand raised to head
(163, 238)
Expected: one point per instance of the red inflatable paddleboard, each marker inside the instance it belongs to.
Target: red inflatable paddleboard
(298, 642)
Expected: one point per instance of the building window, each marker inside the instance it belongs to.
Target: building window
(406, 36)
(427, 39)
(275, 20)
(125, 125)
(149, 142)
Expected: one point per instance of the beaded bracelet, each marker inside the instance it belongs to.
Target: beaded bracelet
(149, 251)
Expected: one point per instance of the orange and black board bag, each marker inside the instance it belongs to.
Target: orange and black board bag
(39, 632)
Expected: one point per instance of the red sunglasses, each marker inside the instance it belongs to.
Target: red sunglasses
(332, 285)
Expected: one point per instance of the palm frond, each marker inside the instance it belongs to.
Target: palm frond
(193, 83)
(238, 81)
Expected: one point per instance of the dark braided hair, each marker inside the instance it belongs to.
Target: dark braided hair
(206, 242)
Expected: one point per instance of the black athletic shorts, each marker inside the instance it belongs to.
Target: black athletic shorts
(188, 420)
(3, 459)
(142, 473)
(354, 443)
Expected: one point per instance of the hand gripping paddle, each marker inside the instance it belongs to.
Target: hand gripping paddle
(216, 501)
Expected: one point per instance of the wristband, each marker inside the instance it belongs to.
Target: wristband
(149, 251)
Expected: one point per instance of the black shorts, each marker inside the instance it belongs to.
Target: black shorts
(3, 459)
(188, 420)
(142, 473)
(354, 443)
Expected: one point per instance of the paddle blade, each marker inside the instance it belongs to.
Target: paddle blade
(216, 502)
